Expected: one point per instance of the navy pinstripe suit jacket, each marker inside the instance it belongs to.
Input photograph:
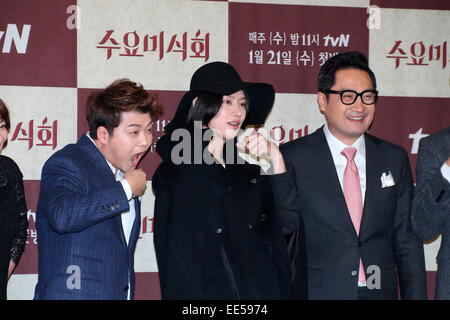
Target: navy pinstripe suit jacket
(82, 249)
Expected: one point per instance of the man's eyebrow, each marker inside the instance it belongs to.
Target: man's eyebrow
(138, 125)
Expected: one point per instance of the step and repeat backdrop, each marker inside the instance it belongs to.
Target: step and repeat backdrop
(54, 53)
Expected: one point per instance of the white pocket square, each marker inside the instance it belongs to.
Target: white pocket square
(387, 180)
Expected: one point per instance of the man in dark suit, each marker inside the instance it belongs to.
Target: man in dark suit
(88, 215)
(431, 205)
(354, 195)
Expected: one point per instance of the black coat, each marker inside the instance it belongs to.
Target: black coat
(13, 218)
(217, 233)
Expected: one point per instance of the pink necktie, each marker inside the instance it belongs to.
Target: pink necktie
(353, 197)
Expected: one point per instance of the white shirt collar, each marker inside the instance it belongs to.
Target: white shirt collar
(336, 145)
(114, 170)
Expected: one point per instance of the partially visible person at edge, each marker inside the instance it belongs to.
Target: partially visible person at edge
(13, 212)
(217, 228)
(431, 204)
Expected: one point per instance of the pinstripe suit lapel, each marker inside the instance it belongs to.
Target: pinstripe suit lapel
(97, 160)
(104, 173)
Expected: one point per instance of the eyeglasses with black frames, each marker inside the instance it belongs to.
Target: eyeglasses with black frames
(349, 96)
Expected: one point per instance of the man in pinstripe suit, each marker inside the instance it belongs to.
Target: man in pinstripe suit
(88, 215)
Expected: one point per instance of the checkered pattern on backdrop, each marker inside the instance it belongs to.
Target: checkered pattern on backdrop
(53, 53)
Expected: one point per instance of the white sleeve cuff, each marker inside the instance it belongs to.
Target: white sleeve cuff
(445, 170)
(126, 187)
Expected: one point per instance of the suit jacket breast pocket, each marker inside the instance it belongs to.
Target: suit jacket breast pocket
(387, 199)
(388, 192)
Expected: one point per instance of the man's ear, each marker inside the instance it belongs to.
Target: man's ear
(322, 101)
(194, 101)
(102, 135)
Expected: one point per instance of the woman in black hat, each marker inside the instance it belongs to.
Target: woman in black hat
(217, 231)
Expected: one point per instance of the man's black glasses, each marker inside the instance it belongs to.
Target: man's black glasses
(349, 96)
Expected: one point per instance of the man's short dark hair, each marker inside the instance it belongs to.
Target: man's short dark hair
(346, 60)
(104, 108)
(207, 106)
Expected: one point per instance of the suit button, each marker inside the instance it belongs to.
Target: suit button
(354, 273)
(229, 189)
(359, 244)
(126, 288)
(439, 198)
(263, 217)
(219, 230)
(250, 226)
(254, 180)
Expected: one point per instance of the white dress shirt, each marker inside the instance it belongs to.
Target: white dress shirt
(340, 161)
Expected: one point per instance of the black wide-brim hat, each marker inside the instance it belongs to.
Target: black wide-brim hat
(222, 78)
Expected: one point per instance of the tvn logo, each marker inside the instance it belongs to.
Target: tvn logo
(416, 137)
(13, 36)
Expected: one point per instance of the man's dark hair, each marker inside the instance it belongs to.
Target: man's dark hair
(104, 108)
(207, 106)
(346, 60)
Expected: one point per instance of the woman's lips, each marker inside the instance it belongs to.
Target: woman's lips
(234, 124)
